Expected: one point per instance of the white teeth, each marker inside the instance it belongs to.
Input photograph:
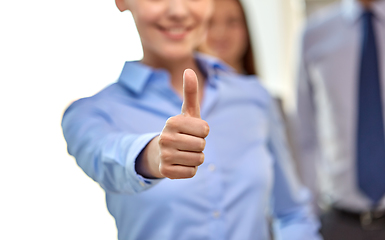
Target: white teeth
(176, 30)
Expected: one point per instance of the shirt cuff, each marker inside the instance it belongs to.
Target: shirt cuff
(138, 182)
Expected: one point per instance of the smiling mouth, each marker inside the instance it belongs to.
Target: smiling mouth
(175, 33)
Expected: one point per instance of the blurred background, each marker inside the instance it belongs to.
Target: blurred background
(54, 52)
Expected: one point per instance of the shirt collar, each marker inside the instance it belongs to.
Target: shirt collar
(135, 74)
(352, 10)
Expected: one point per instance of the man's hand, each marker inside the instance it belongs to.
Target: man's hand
(178, 151)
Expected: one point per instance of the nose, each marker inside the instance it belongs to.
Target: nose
(219, 30)
(178, 9)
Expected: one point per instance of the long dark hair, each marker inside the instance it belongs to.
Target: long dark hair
(248, 59)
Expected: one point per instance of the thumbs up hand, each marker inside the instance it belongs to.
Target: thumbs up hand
(178, 151)
(190, 105)
(182, 140)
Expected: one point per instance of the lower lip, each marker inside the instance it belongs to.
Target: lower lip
(175, 37)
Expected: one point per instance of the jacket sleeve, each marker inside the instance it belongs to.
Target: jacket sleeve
(106, 153)
(293, 218)
(307, 143)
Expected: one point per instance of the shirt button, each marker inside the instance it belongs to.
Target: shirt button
(211, 167)
(141, 183)
(216, 214)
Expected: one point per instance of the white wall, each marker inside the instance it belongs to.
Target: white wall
(276, 26)
(51, 53)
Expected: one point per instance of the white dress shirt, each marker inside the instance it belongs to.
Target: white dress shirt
(327, 102)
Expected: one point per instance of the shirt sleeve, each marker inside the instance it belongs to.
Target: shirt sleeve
(306, 142)
(293, 218)
(106, 153)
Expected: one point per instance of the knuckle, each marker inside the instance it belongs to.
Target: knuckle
(165, 156)
(206, 128)
(165, 139)
(201, 159)
(161, 139)
(192, 172)
(172, 122)
(165, 171)
(202, 144)
(187, 172)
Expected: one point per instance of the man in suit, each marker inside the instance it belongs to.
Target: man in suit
(340, 117)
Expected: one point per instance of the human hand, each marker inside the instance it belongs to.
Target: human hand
(182, 140)
(178, 151)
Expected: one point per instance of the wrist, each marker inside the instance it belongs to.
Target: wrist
(147, 163)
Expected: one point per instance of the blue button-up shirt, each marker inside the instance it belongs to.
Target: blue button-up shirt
(247, 167)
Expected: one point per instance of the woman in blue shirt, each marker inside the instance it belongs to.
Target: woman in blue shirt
(133, 140)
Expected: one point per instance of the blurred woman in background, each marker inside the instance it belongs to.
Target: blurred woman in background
(228, 37)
